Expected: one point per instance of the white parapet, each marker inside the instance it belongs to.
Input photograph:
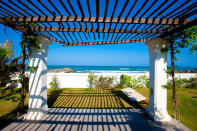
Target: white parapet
(80, 80)
(38, 83)
(157, 108)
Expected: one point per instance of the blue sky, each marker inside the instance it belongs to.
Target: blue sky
(131, 54)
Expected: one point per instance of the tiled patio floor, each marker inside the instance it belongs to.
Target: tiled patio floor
(71, 119)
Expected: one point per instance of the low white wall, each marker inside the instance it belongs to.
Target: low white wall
(80, 80)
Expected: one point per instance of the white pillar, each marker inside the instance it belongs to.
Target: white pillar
(38, 82)
(157, 108)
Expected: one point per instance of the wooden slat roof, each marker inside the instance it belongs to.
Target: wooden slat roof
(96, 22)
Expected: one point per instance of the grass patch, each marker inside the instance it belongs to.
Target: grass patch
(90, 98)
(8, 103)
(187, 104)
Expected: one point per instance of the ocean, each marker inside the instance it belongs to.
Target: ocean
(114, 69)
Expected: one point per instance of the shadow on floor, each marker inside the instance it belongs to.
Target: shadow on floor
(89, 119)
(91, 98)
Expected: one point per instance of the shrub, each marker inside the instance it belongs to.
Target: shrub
(54, 83)
(91, 79)
(128, 81)
(134, 82)
(105, 82)
(192, 83)
(143, 81)
(102, 81)
(125, 81)
(180, 83)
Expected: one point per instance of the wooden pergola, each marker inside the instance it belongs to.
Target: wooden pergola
(93, 22)
(97, 22)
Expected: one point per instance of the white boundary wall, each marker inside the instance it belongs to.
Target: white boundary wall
(80, 80)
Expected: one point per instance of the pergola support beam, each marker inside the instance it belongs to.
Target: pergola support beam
(106, 42)
(55, 29)
(94, 19)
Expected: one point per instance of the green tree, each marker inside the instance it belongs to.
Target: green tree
(186, 38)
(54, 83)
(6, 54)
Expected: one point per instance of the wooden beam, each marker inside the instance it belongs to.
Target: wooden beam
(106, 42)
(52, 39)
(93, 19)
(55, 29)
(181, 27)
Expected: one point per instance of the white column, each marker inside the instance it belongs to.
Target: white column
(157, 108)
(38, 82)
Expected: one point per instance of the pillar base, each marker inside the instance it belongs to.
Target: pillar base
(35, 115)
(158, 116)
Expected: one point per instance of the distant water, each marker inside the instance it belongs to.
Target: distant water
(119, 69)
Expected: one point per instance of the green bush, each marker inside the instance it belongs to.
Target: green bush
(54, 83)
(125, 81)
(128, 81)
(91, 79)
(191, 83)
(182, 83)
(105, 82)
(102, 81)
(143, 81)
(134, 82)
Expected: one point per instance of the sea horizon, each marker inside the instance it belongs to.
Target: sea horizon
(101, 69)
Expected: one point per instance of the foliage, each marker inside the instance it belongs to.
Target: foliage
(186, 38)
(6, 68)
(54, 83)
(28, 43)
(191, 83)
(125, 80)
(180, 83)
(128, 81)
(9, 99)
(91, 79)
(105, 82)
(134, 82)
(31, 68)
(96, 81)
(144, 81)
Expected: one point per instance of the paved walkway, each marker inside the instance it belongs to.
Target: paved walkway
(133, 95)
(60, 119)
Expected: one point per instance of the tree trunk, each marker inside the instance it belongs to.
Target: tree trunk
(21, 104)
(174, 97)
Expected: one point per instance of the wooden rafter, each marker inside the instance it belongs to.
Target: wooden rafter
(106, 42)
(93, 19)
(141, 20)
(63, 29)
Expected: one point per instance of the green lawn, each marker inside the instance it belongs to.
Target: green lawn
(67, 98)
(90, 98)
(187, 105)
(8, 104)
(97, 98)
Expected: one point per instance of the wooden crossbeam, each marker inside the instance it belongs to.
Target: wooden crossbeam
(93, 19)
(178, 28)
(55, 29)
(106, 42)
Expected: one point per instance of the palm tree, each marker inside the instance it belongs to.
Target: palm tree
(6, 53)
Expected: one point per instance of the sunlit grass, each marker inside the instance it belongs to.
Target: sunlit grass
(90, 98)
(187, 105)
(8, 105)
